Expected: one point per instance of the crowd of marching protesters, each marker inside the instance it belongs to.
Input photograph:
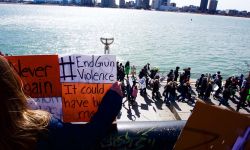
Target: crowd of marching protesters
(178, 86)
(208, 83)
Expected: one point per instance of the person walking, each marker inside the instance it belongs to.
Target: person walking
(127, 68)
(225, 97)
(208, 91)
(244, 95)
(134, 93)
(166, 92)
(155, 91)
(133, 70)
(176, 73)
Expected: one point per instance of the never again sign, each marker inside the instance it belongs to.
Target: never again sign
(88, 68)
(39, 73)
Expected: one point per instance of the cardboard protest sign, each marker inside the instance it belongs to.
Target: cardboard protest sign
(212, 127)
(39, 74)
(81, 100)
(85, 80)
(51, 104)
(88, 68)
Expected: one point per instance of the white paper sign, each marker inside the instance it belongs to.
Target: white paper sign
(88, 68)
(142, 83)
(50, 104)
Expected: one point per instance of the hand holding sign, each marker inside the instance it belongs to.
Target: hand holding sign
(117, 88)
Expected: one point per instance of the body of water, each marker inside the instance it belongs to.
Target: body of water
(164, 39)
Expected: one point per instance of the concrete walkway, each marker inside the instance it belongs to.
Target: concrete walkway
(147, 109)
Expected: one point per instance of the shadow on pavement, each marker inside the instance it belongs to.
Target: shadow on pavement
(158, 104)
(208, 101)
(130, 115)
(175, 105)
(234, 100)
(191, 103)
(129, 112)
(246, 109)
(147, 100)
(230, 108)
(135, 108)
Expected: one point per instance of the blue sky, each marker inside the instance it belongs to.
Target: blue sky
(222, 4)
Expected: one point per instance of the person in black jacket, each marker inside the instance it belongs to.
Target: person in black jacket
(170, 76)
(203, 87)
(244, 95)
(176, 73)
(225, 98)
(218, 81)
(208, 91)
(156, 87)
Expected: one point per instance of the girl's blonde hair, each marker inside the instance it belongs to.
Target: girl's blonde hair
(19, 125)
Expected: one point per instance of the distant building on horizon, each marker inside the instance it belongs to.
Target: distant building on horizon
(122, 3)
(48, 1)
(145, 4)
(203, 5)
(130, 4)
(87, 2)
(156, 4)
(212, 6)
(138, 4)
(242, 13)
(108, 3)
(173, 4)
(165, 2)
(190, 8)
(232, 12)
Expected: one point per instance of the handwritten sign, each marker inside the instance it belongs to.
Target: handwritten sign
(211, 127)
(39, 73)
(51, 104)
(88, 68)
(85, 80)
(81, 100)
(70, 87)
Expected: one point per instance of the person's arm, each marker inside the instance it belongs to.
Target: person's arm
(78, 136)
(102, 120)
(106, 114)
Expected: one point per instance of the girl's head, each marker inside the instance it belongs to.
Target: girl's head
(18, 124)
(13, 101)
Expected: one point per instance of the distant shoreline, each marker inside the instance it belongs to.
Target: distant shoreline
(73, 5)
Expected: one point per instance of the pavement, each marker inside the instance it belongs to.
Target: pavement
(147, 109)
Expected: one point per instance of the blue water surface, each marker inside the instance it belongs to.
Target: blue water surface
(164, 39)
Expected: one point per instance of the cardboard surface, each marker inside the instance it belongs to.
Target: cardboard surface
(212, 127)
